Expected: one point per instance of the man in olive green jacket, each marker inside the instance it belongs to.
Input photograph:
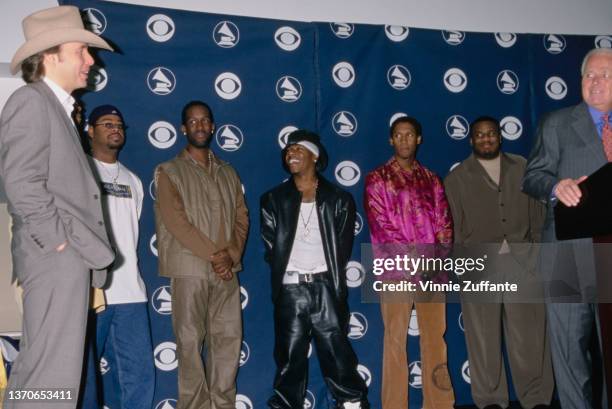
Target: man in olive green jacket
(202, 223)
(484, 193)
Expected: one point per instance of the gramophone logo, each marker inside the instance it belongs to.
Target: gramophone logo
(507, 82)
(398, 77)
(288, 89)
(226, 34)
(229, 138)
(161, 81)
(309, 400)
(342, 30)
(344, 123)
(161, 300)
(413, 326)
(358, 325)
(245, 353)
(554, 43)
(104, 366)
(287, 38)
(160, 28)
(453, 37)
(415, 375)
(94, 20)
(505, 40)
(457, 127)
(166, 404)
(460, 322)
(244, 297)
(396, 33)
(358, 223)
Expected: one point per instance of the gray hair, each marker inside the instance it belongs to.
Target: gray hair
(591, 53)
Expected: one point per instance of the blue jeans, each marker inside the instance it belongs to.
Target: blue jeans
(123, 337)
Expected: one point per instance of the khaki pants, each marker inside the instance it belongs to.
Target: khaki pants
(207, 312)
(437, 388)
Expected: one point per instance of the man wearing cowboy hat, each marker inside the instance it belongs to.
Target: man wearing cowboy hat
(54, 200)
(307, 225)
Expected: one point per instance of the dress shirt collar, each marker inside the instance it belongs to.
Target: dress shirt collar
(63, 97)
(597, 115)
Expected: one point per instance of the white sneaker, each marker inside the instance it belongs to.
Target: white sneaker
(352, 405)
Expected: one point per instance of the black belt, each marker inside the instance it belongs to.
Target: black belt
(308, 277)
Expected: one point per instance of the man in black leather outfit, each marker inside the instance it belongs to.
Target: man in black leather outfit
(307, 226)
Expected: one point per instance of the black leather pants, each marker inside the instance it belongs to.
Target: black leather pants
(311, 310)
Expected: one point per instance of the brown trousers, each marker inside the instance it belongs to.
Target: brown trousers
(207, 312)
(437, 388)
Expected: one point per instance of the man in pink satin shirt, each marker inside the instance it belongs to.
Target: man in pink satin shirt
(405, 204)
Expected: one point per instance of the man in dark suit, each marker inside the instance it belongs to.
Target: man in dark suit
(571, 144)
(54, 200)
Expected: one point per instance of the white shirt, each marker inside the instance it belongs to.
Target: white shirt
(64, 98)
(307, 255)
(122, 196)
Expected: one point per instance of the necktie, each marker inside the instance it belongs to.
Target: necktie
(606, 137)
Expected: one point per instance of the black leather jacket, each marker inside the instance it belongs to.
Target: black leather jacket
(279, 217)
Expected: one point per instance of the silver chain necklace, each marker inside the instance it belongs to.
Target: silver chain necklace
(306, 223)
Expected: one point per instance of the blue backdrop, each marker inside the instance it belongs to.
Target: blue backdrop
(264, 78)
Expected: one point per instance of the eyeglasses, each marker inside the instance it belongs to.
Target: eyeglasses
(110, 126)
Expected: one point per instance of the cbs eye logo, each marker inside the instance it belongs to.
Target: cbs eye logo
(165, 356)
(395, 116)
(603, 42)
(228, 85)
(287, 38)
(347, 173)
(284, 134)
(505, 40)
(556, 88)
(153, 244)
(162, 134)
(365, 374)
(396, 33)
(465, 372)
(455, 80)
(97, 79)
(511, 128)
(355, 274)
(343, 74)
(160, 28)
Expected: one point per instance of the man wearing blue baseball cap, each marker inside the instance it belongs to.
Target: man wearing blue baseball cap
(122, 333)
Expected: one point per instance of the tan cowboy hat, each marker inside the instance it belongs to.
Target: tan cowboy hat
(50, 27)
